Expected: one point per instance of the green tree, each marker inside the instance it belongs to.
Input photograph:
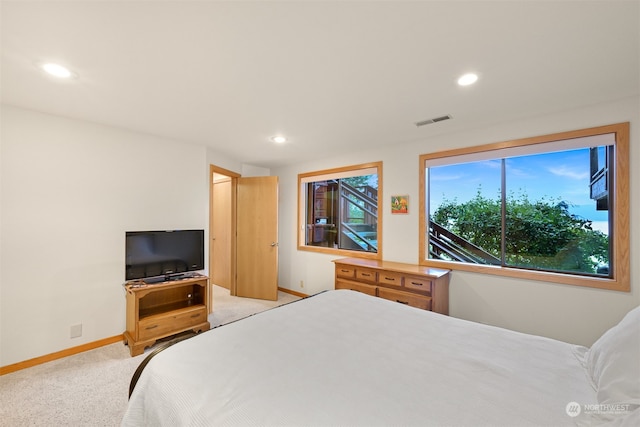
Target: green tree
(540, 235)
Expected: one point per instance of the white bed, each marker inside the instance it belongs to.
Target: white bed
(344, 358)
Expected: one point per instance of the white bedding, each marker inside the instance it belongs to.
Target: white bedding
(343, 358)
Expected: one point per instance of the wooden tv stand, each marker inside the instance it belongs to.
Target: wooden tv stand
(159, 310)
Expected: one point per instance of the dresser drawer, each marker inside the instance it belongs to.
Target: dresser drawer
(354, 286)
(413, 300)
(367, 275)
(390, 278)
(345, 271)
(418, 284)
(158, 326)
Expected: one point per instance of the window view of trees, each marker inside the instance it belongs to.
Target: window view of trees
(545, 211)
(542, 235)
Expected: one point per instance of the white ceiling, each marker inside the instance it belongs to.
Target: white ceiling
(328, 75)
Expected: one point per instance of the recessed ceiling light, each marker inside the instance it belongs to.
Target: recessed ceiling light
(279, 139)
(467, 79)
(57, 70)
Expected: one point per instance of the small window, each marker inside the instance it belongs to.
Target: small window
(339, 211)
(552, 208)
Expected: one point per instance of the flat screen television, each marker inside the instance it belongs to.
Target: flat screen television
(163, 255)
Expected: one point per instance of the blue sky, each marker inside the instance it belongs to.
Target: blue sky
(552, 176)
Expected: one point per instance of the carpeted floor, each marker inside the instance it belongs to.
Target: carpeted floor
(91, 388)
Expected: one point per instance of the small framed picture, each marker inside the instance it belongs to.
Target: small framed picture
(399, 204)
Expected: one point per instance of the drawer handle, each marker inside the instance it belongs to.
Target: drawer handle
(416, 283)
(391, 279)
(403, 302)
(193, 316)
(151, 327)
(345, 271)
(366, 274)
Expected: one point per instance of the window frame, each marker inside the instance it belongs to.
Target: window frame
(302, 206)
(620, 280)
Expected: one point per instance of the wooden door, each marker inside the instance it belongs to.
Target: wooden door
(257, 237)
(221, 232)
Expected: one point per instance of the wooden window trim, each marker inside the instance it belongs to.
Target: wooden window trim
(621, 280)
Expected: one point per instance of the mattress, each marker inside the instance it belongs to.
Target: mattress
(344, 358)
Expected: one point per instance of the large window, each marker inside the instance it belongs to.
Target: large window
(552, 208)
(339, 210)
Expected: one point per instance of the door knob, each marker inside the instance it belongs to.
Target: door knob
(274, 244)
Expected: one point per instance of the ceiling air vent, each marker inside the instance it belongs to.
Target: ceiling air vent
(434, 120)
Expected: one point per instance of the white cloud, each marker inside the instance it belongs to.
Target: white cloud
(566, 172)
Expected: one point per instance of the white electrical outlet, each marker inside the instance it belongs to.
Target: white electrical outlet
(302, 283)
(76, 330)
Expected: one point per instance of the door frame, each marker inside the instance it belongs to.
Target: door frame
(234, 185)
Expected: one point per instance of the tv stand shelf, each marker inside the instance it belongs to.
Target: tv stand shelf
(159, 310)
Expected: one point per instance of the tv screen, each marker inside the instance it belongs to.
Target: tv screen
(163, 253)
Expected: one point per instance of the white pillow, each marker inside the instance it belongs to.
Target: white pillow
(613, 362)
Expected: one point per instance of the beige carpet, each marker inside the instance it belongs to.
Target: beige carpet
(91, 388)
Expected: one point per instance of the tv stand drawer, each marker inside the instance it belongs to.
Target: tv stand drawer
(166, 324)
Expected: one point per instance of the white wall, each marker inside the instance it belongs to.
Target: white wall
(70, 190)
(569, 313)
(249, 170)
(220, 161)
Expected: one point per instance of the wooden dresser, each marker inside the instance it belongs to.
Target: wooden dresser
(415, 285)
